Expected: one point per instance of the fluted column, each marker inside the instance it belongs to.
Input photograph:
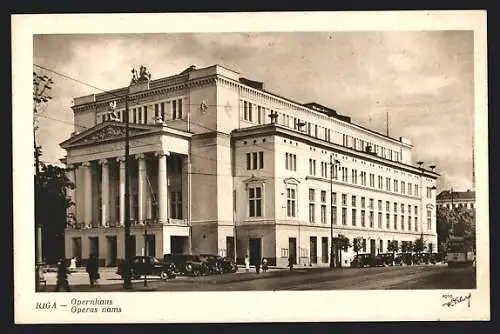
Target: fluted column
(162, 187)
(121, 160)
(104, 192)
(87, 201)
(141, 187)
(71, 175)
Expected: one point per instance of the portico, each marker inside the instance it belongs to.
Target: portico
(158, 189)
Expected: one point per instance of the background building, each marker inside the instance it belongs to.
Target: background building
(224, 166)
(456, 199)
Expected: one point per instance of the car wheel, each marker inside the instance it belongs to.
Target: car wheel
(196, 272)
(164, 275)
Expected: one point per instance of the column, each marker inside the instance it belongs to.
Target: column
(87, 199)
(104, 192)
(71, 175)
(121, 160)
(162, 187)
(141, 187)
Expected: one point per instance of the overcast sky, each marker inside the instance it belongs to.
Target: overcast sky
(424, 80)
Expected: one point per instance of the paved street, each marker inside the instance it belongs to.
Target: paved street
(411, 277)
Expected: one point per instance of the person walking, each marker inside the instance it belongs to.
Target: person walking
(247, 263)
(62, 276)
(290, 262)
(257, 266)
(93, 269)
(264, 265)
(72, 264)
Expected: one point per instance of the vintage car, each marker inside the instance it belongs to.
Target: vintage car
(403, 258)
(228, 265)
(147, 265)
(421, 258)
(437, 258)
(362, 260)
(187, 264)
(213, 263)
(385, 259)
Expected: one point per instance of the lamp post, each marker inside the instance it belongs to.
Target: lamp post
(146, 245)
(332, 169)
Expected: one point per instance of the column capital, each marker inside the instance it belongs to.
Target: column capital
(161, 153)
(86, 164)
(139, 156)
(103, 161)
(120, 159)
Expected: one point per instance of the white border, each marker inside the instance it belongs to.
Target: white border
(240, 306)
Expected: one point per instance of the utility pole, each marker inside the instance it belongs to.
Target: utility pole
(127, 280)
(332, 170)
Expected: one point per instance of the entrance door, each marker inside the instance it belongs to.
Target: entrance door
(94, 246)
(230, 247)
(313, 254)
(112, 251)
(292, 249)
(177, 244)
(324, 249)
(151, 245)
(255, 245)
(77, 248)
(372, 247)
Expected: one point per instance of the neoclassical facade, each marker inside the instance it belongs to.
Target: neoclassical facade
(220, 165)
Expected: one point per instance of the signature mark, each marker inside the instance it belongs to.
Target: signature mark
(451, 300)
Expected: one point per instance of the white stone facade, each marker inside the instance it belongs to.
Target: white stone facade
(215, 176)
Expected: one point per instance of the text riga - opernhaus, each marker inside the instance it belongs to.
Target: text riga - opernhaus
(220, 165)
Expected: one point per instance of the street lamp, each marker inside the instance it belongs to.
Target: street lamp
(146, 245)
(332, 169)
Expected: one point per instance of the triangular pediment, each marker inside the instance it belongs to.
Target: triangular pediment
(106, 131)
(254, 179)
(291, 180)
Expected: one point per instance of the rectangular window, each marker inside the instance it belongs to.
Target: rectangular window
(254, 158)
(334, 215)
(395, 207)
(290, 202)
(323, 196)
(428, 192)
(387, 221)
(362, 202)
(176, 205)
(250, 112)
(344, 216)
(259, 115)
(353, 199)
(387, 206)
(261, 160)
(403, 189)
(311, 212)
(363, 245)
(323, 214)
(410, 189)
(371, 203)
(334, 198)
(396, 186)
(395, 222)
(353, 217)
(245, 110)
(362, 218)
(380, 182)
(344, 174)
(249, 161)
(416, 210)
(372, 217)
(388, 183)
(363, 178)
(254, 202)
(179, 106)
(380, 205)
(402, 223)
(354, 176)
(174, 109)
(409, 209)
(286, 161)
(416, 224)
(344, 199)
(409, 223)
(380, 220)
(416, 190)
(334, 172)
(402, 208)
(372, 180)
(429, 221)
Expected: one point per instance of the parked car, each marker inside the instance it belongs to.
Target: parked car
(421, 258)
(228, 265)
(437, 257)
(147, 265)
(213, 263)
(403, 258)
(187, 264)
(362, 260)
(385, 259)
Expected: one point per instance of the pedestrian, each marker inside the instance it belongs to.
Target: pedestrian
(290, 262)
(93, 269)
(247, 263)
(264, 264)
(257, 266)
(72, 264)
(62, 276)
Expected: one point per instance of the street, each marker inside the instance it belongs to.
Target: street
(378, 278)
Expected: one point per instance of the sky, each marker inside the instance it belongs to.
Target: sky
(424, 80)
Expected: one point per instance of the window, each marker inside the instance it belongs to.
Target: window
(410, 189)
(387, 206)
(362, 202)
(254, 202)
(428, 192)
(353, 199)
(311, 205)
(409, 223)
(429, 222)
(380, 205)
(380, 182)
(334, 215)
(403, 189)
(409, 209)
(387, 221)
(290, 202)
(396, 186)
(388, 183)
(255, 160)
(395, 222)
(402, 208)
(334, 198)
(402, 223)
(371, 203)
(363, 178)
(323, 196)
(323, 214)
(261, 160)
(362, 218)
(354, 176)
(344, 216)
(395, 207)
(372, 217)
(290, 161)
(312, 167)
(353, 217)
(416, 224)
(380, 220)
(250, 113)
(176, 205)
(372, 180)
(344, 174)
(259, 114)
(177, 109)
(416, 189)
(344, 199)
(416, 210)
(363, 245)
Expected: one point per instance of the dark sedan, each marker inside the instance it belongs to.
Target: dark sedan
(187, 264)
(147, 265)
